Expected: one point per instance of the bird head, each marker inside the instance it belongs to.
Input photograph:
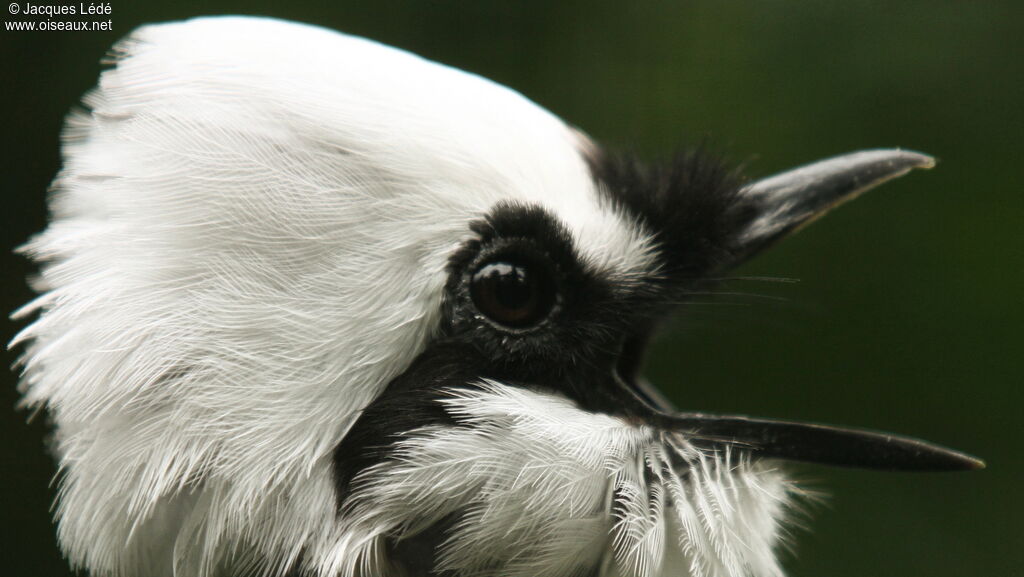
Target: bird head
(311, 305)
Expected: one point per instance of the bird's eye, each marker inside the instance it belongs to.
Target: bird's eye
(513, 293)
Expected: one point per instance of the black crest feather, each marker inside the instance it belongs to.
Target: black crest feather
(692, 204)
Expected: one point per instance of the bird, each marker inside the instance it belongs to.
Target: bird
(310, 305)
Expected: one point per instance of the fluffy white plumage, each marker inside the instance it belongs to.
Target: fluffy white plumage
(554, 491)
(248, 242)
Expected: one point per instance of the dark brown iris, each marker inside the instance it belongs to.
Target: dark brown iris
(512, 293)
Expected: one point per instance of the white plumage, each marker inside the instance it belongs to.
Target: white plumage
(257, 211)
(554, 491)
(249, 241)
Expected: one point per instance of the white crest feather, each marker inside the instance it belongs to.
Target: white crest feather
(249, 240)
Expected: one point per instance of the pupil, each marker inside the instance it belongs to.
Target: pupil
(512, 293)
(513, 288)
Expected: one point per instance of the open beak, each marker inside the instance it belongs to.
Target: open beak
(793, 199)
(816, 443)
(786, 202)
(795, 440)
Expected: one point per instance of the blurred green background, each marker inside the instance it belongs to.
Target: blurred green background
(908, 312)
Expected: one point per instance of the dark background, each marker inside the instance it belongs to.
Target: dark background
(908, 312)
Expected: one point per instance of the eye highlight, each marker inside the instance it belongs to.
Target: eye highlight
(514, 293)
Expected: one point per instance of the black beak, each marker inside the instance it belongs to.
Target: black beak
(794, 440)
(814, 443)
(786, 202)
